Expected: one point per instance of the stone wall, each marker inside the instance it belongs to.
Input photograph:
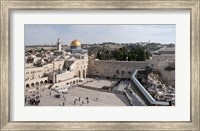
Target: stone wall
(66, 82)
(168, 77)
(33, 73)
(114, 69)
(36, 82)
(48, 68)
(64, 76)
(160, 62)
(59, 64)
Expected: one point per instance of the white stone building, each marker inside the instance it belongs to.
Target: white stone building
(68, 68)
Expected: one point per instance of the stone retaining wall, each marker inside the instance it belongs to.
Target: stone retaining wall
(115, 69)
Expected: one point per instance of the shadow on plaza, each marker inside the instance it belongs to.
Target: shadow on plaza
(123, 99)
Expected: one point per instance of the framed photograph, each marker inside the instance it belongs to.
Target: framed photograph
(100, 65)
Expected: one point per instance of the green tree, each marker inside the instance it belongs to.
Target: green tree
(98, 55)
(141, 55)
(132, 55)
(148, 54)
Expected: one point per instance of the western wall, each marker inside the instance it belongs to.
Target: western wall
(114, 69)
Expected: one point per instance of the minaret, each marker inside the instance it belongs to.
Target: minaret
(59, 45)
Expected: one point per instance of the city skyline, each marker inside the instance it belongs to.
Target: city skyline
(36, 34)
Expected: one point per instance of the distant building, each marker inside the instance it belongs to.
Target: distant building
(168, 50)
(59, 47)
(63, 68)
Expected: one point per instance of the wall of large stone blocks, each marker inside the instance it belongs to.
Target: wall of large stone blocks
(48, 68)
(162, 61)
(168, 77)
(64, 76)
(115, 69)
(58, 64)
(80, 67)
(164, 57)
(66, 82)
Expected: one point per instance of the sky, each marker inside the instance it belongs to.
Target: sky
(39, 34)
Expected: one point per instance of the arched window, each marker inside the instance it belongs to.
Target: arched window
(37, 83)
(27, 85)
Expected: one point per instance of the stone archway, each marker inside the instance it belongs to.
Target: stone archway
(84, 74)
(41, 82)
(79, 74)
(37, 83)
(32, 84)
(27, 85)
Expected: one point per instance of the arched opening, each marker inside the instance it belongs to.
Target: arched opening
(41, 82)
(73, 82)
(27, 85)
(79, 74)
(32, 84)
(50, 81)
(84, 74)
(45, 81)
(37, 83)
(67, 84)
(70, 82)
(76, 81)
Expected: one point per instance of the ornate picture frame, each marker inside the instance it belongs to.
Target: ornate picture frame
(8, 6)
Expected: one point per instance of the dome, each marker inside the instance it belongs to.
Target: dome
(75, 43)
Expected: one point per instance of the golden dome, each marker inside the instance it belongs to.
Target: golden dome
(75, 43)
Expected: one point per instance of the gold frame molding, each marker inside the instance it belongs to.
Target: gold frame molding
(8, 5)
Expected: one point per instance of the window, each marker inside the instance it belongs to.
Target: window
(32, 72)
(117, 72)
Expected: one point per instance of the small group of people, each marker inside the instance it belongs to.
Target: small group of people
(33, 101)
(82, 103)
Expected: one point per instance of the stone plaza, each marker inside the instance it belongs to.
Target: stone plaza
(79, 96)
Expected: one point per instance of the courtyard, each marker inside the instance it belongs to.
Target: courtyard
(77, 96)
